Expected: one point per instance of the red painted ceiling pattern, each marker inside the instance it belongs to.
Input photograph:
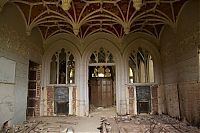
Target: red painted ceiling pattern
(86, 17)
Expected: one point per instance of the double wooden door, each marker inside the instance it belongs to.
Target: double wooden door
(101, 92)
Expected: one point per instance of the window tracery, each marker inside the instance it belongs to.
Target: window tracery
(141, 66)
(101, 56)
(62, 68)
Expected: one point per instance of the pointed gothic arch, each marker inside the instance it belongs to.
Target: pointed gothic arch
(120, 94)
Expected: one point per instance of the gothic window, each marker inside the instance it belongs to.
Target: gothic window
(53, 72)
(101, 56)
(101, 71)
(71, 70)
(62, 68)
(131, 75)
(141, 67)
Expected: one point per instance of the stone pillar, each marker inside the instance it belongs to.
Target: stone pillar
(70, 100)
(74, 100)
(132, 100)
(135, 100)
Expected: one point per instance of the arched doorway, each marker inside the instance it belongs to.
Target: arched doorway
(102, 79)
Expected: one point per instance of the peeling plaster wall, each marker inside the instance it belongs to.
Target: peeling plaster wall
(179, 53)
(15, 45)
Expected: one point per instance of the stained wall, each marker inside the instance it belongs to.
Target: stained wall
(180, 65)
(16, 46)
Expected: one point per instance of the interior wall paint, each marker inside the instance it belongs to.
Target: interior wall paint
(17, 46)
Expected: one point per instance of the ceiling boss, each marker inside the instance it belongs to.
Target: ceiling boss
(66, 4)
(137, 4)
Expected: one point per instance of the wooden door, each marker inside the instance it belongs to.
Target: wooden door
(93, 96)
(107, 96)
(101, 92)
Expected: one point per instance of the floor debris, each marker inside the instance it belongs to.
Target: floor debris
(147, 124)
(104, 120)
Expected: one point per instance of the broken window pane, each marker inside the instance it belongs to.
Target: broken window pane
(53, 70)
(101, 56)
(71, 70)
(62, 67)
(65, 70)
(141, 65)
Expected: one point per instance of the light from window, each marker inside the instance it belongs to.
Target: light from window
(62, 68)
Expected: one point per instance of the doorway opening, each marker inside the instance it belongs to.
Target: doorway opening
(101, 86)
(32, 89)
(143, 95)
(61, 100)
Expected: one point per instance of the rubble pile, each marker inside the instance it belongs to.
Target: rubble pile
(41, 126)
(147, 124)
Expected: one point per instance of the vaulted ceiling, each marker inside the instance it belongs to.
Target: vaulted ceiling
(86, 17)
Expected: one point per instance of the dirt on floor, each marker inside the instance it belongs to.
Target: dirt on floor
(103, 120)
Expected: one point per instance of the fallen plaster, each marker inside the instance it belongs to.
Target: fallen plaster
(104, 120)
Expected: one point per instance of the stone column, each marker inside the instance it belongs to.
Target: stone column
(70, 100)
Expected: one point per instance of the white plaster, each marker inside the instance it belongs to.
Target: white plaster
(7, 103)
(70, 100)
(7, 70)
(135, 101)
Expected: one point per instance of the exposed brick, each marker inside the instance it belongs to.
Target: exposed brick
(74, 100)
(38, 90)
(155, 99)
(131, 99)
(50, 100)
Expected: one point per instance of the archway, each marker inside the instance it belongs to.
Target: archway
(143, 75)
(110, 46)
(102, 79)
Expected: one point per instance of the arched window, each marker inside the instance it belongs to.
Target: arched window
(101, 56)
(101, 62)
(141, 67)
(62, 68)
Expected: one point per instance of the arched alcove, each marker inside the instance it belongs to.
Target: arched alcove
(143, 77)
(65, 58)
(86, 58)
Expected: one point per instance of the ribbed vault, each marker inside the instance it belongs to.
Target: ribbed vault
(86, 17)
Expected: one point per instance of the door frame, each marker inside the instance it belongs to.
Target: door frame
(113, 83)
(95, 44)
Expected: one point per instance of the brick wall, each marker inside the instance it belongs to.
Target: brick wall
(50, 101)
(154, 99)
(74, 100)
(182, 101)
(38, 90)
(181, 67)
(190, 102)
(172, 100)
(131, 99)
